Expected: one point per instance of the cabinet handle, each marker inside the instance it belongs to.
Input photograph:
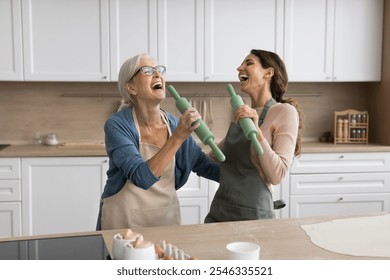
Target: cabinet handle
(341, 157)
(104, 77)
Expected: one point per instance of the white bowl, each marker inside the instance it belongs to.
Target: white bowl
(243, 251)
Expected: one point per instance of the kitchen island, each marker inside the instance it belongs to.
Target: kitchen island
(280, 239)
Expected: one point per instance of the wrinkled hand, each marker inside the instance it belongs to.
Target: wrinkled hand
(186, 123)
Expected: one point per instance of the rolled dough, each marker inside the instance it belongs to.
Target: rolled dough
(363, 236)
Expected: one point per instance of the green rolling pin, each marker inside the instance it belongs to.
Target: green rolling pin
(203, 132)
(246, 124)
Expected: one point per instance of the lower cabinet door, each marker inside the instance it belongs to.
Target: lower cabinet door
(61, 194)
(10, 219)
(193, 210)
(338, 204)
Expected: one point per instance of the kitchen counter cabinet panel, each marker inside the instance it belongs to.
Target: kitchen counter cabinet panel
(10, 219)
(339, 204)
(61, 194)
(193, 198)
(324, 39)
(11, 41)
(10, 197)
(66, 40)
(341, 163)
(339, 183)
(10, 168)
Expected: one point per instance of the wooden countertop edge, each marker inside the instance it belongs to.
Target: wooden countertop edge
(53, 151)
(99, 149)
(280, 239)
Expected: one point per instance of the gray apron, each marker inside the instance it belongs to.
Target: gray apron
(135, 207)
(242, 194)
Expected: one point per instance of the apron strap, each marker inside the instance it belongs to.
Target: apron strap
(164, 117)
(268, 105)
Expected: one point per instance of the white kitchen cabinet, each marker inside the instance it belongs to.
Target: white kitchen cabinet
(207, 40)
(10, 197)
(11, 41)
(233, 28)
(193, 198)
(66, 40)
(339, 183)
(133, 30)
(333, 40)
(358, 40)
(193, 210)
(181, 39)
(61, 194)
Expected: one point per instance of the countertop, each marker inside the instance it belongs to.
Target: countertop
(67, 150)
(98, 149)
(279, 239)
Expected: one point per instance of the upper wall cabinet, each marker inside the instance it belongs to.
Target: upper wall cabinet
(198, 40)
(206, 40)
(233, 28)
(11, 41)
(181, 39)
(133, 30)
(333, 40)
(358, 40)
(66, 40)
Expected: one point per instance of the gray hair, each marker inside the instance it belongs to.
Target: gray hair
(128, 69)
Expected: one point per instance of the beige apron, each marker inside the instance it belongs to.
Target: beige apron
(135, 207)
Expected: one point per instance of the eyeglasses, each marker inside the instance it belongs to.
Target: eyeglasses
(149, 70)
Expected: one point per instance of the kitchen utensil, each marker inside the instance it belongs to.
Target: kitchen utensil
(203, 132)
(246, 124)
(51, 139)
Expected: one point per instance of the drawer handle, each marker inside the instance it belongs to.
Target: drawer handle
(341, 178)
(341, 157)
(340, 199)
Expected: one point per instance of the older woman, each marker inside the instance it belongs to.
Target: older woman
(151, 152)
(246, 179)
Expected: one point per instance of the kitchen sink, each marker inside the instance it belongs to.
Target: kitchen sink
(3, 146)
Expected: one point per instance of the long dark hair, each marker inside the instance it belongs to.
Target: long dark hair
(279, 85)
